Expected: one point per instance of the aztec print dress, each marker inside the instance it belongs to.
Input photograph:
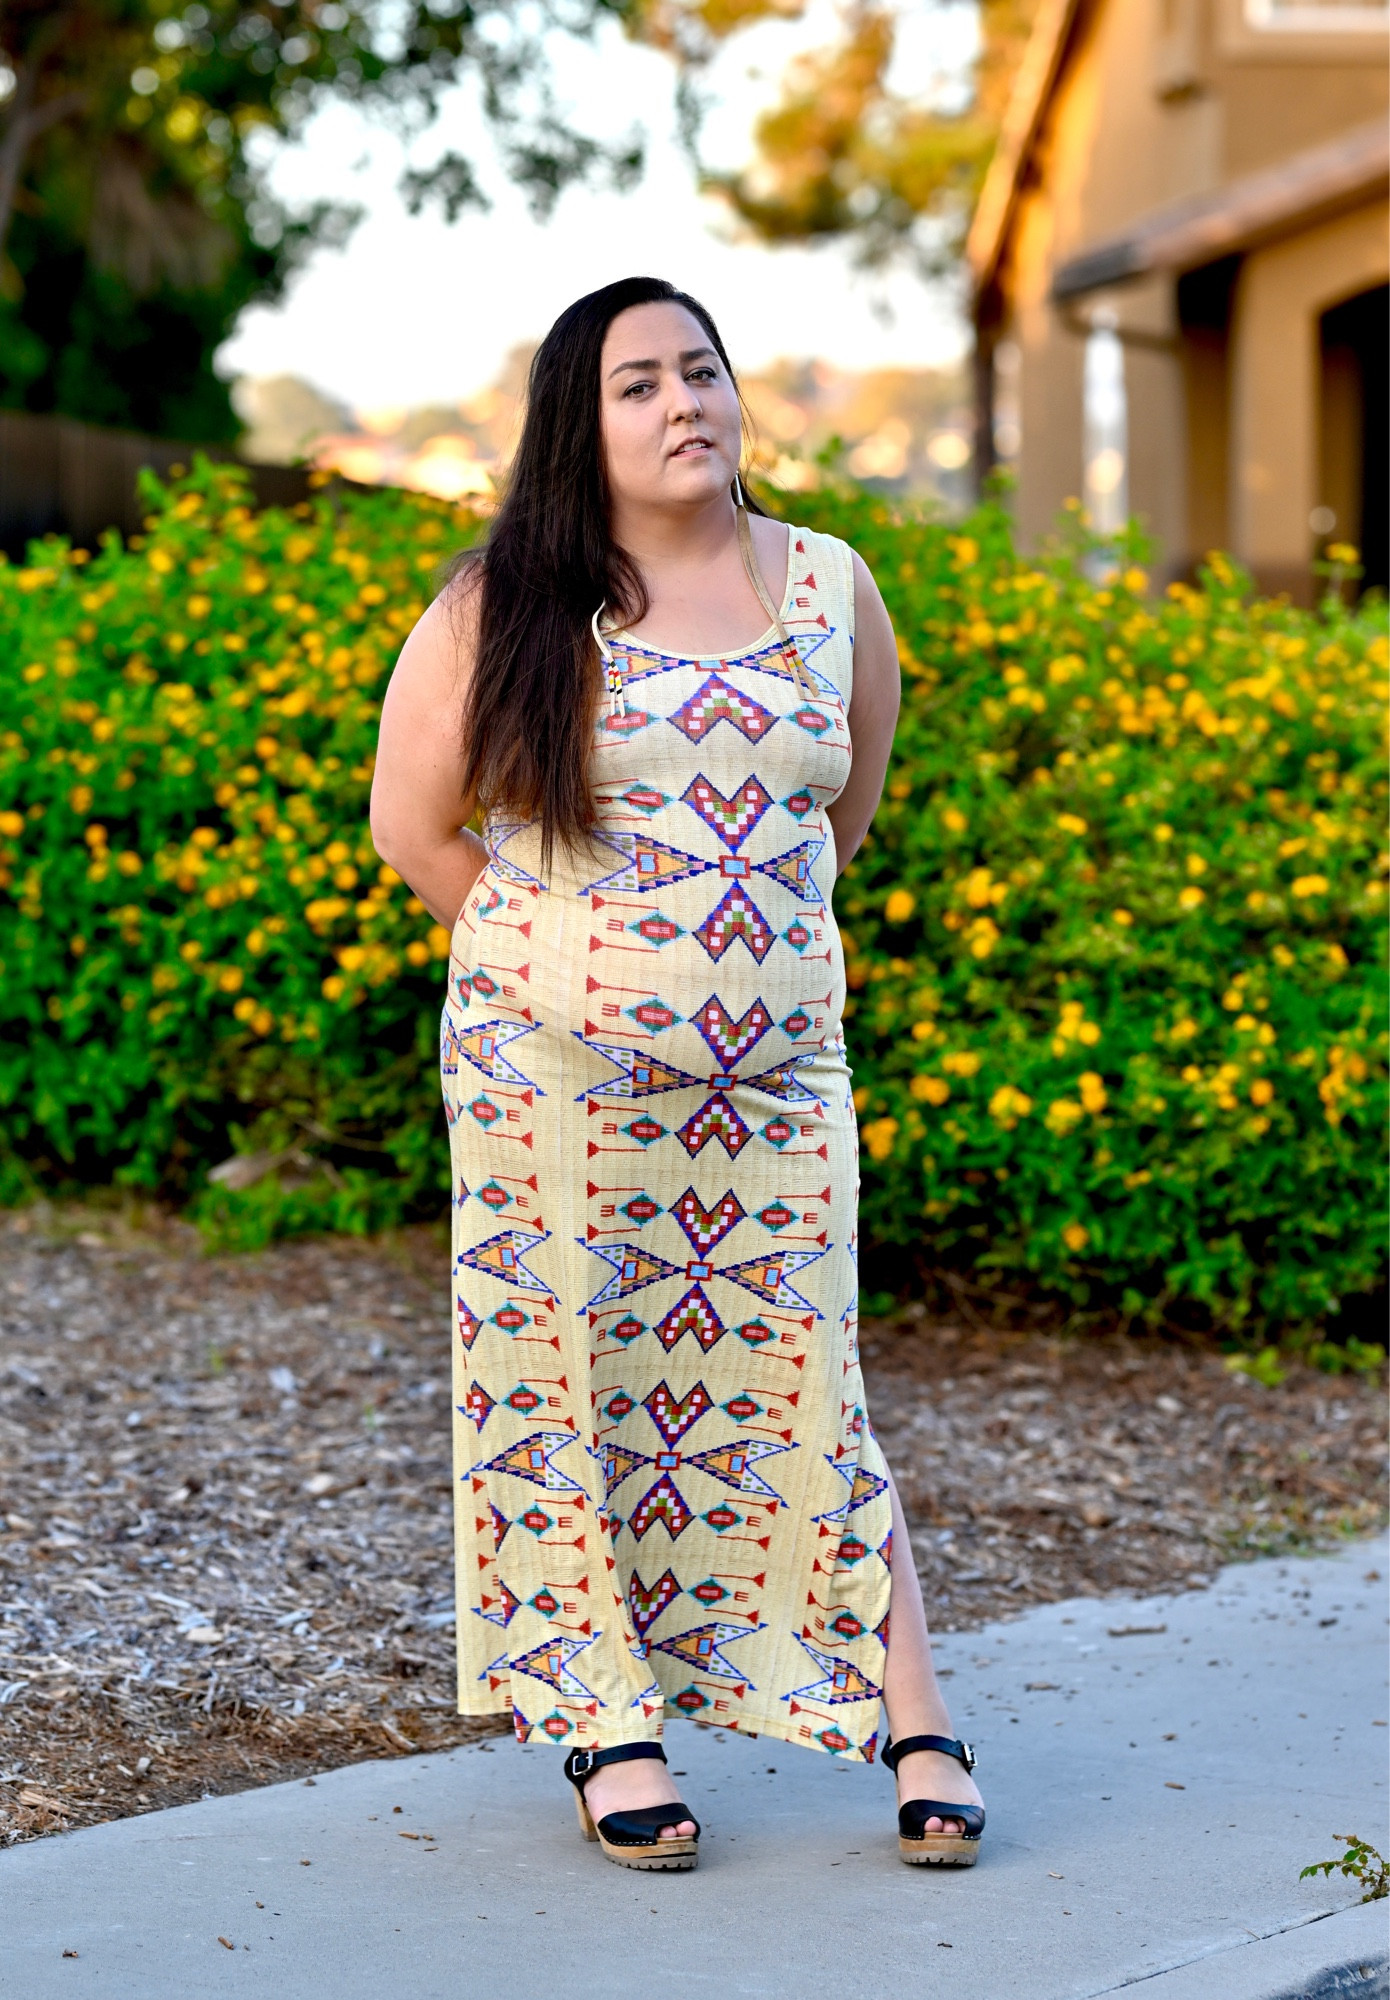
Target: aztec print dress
(669, 1499)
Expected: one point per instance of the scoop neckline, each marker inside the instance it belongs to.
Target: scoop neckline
(742, 652)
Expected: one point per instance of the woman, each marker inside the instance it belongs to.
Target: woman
(669, 1497)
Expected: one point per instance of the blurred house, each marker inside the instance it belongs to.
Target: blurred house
(1180, 277)
(901, 431)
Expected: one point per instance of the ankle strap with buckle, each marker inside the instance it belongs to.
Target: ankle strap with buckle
(581, 1764)
(949, 1746)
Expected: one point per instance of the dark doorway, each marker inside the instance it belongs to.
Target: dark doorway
(1354, 454)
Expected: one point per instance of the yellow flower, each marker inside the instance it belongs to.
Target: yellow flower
(1261, 1090)
(1192, 1074)
(1140, 1179)
(230, 979)
(352, 957)
(1196, 865)
(1163, 833)
(438, 941)
(256, 941)
(984, 936)
(80, 798)
(1075, 1236)
(1065, 669)
(1008, 1105)
(1183, 1031)
(861, 1097)
(1092, 1088)
(333, 988)
(1256, 900)
(1071, 823)
(1136, 580)
(1191, 898)
(1310, 885)
(963, 1062)
(11, 824)
(954, 820)
(1088, 1033)
(879, 1136)
(922, 1031)
(129, 863)
(1063, 1115)
(899, 906)
(1123, 917)
(929, 1089)
(1246, 1024)
(977, 888)
(417, 953)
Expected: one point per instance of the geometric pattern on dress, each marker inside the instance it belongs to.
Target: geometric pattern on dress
(482, 1045)
(729, 1040)
(700, 1647)
(642, 1075)
(674, 1415)
(533, 1459)
(863, 1487)
(502, 1257)
(715, 1119)
(715, 702)
(736, 915)
(648, 864)
(841, 1680)
(549, 1662)
(734, 818)
(647, 1604)
(632, 1268)
(705, 1228)
(692, 1314)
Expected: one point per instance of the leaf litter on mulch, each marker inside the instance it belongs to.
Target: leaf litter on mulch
(226, 1550)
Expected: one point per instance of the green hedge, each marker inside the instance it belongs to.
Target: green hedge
(200, 948)
(1117, 1010)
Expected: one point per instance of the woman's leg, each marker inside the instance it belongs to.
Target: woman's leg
(911, 1694)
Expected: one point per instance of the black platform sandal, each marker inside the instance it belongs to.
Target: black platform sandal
(632, 1839)
(915, 1844)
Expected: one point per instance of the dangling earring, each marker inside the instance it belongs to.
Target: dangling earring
(617, 696)
(738, 493)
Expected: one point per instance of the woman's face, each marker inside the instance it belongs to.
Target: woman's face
(670, 418)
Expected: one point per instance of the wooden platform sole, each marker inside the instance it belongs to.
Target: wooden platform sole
(941, 1850)
(659, 1855)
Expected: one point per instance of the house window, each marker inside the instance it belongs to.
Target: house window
(1105, 414)
(1316, 17)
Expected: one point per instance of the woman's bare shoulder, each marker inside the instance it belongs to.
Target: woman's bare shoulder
(443, 641)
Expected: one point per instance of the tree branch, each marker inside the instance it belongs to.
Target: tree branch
(25, 123)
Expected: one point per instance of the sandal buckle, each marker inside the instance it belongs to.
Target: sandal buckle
(581, 1762)
(967, 1755)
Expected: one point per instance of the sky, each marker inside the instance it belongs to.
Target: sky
(418, 311)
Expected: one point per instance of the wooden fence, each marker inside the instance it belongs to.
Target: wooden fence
(61, 477)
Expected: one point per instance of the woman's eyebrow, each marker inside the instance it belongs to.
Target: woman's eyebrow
(690, 354)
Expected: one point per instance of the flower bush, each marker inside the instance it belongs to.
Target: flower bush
(200, 948)
(1114, 942)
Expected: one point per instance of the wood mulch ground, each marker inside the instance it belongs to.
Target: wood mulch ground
(225, 1548)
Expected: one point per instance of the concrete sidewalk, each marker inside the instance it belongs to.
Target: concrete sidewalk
(1152, 1796)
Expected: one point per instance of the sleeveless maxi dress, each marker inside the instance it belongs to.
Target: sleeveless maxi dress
(669, 1499)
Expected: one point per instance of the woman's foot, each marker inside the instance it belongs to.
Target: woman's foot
(931, 1774)
(642, 1782)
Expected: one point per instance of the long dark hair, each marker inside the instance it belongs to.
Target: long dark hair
(549, 562)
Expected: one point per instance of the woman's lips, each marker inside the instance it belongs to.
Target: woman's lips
(692, 444)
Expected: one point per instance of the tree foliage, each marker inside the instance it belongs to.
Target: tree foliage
(136, 218)
(841, 154)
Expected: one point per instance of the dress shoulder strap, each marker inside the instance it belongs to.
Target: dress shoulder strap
(820, 605)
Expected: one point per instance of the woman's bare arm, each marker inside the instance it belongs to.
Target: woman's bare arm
(418, 811)
(873, 715)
